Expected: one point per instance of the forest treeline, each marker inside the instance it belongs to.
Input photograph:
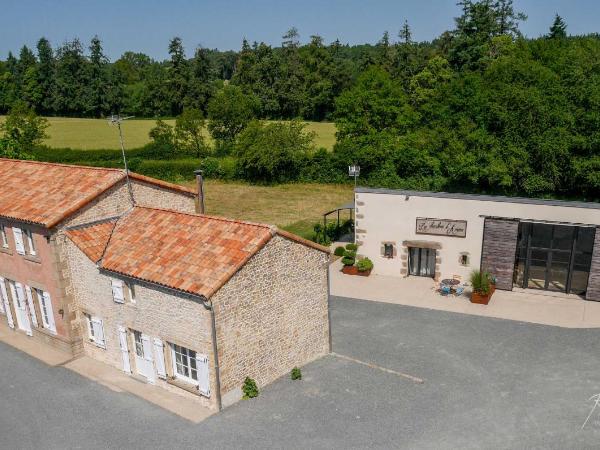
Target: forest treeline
(479, 109)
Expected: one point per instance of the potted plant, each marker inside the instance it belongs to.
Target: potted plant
(480, 283)
(349, 259)
(492, 279)
(364, 267)
(339, 251)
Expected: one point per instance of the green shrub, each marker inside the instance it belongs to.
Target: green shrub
(339, 251)
(364, 265)
(480, 282)
(296, 374)
(347, 261)
(249, 388)
(350, 254)
(352, 247)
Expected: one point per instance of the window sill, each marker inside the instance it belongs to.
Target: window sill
(6, 250)
(34, 259)
(192, 388)
(95, 344)
(47, 331)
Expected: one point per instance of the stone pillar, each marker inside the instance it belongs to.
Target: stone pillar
(499, 250)
(593, 287)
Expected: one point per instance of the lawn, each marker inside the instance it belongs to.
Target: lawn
(91, 134)
(293, 207)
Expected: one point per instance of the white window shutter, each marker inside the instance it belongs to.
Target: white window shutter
(30, 306)
(20, 247)
(159, 354)
(30, 243)
(203, 374)
(48, 303)
(98, 331)
(23, 308)
(5, 305)
(117, 290)
(124, 349)
(3, 296)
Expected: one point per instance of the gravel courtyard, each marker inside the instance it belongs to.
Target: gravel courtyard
(488, 383)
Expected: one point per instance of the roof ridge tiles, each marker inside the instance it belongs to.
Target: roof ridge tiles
(48, 163)
(272, 228)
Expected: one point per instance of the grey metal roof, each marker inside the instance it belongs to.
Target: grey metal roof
(491, 198)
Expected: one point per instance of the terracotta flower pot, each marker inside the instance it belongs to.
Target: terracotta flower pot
(492, 288)
(350, 270)
(364, 273)
(480, 299)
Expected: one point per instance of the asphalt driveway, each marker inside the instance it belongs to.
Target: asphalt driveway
(488, 383)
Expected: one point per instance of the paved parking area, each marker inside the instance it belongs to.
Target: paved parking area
(488, 383)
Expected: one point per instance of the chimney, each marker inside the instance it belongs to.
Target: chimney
(200, 195)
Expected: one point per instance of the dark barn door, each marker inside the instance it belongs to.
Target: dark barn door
(554, 257)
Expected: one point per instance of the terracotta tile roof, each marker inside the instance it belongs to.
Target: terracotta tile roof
(92, 239)
(47, 193)
(193, 253)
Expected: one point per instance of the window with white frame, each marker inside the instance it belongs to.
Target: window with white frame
(45, 303)
(3, 237)
(95, 330)
(122, 291)
(19, 243)
(30, 244)
(184, 364)
(191, 367)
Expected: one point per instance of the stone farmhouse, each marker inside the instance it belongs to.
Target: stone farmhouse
(131, 276)
(195, 303)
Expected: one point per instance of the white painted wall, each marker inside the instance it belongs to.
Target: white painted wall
(392, 217)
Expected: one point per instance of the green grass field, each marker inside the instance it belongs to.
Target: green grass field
(293, 207)
(92, 134)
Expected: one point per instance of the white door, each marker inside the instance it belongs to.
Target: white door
(143, 356)
(18, 295)
(6, 306)
(124, 349)
(147, 344)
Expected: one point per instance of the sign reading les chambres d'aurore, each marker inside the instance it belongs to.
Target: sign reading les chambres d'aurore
(442, 227)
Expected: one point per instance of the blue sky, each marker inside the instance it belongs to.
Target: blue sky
(147, 25)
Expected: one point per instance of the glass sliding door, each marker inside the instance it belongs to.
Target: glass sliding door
(553, 257)
(421, 262)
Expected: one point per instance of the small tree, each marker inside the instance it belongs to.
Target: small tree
(163, 137)
(188, 131)
(21, 132)
(229, 112)
(558, 30)
(273, 152)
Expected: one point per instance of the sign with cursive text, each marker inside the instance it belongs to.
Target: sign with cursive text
(442, 227)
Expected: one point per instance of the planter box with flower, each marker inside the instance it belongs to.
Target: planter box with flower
(361, 267)
(482, 287)
(364, 267)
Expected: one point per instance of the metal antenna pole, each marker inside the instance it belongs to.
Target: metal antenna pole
(117, 121)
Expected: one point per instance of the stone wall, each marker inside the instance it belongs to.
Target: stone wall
(499, 250)
(157, 312)
(593, 288)
(272, 315)
(146, 194)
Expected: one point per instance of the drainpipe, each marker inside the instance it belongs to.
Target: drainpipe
(329, 301)
(208, 305)
(200, 189)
